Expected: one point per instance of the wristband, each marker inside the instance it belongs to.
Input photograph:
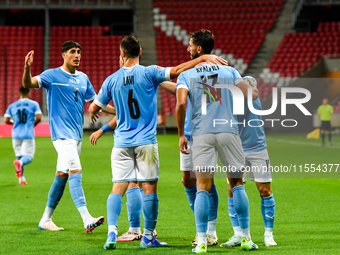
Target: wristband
(105, 128)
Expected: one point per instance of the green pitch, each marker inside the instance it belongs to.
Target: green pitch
(307, 210)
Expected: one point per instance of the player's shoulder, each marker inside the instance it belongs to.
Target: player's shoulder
(80, 73)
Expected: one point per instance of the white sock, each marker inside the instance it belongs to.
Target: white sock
(84, 214)
(212, 228)
(246, 233)
(268, 231)
(21, 163)
(148, 233)
(47, 216)
(22, 178)
(202, 238)
(113, 228)
(237, 231)
(134, 230)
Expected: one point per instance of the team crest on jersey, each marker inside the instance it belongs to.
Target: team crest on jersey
(159, 68)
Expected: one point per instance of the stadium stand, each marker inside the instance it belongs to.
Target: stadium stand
(239, 26)
(16, 42)
(298, 52)
(98, 60)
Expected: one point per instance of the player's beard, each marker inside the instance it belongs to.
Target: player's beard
(194, 56)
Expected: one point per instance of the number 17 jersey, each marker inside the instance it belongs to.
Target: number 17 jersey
(134, 94)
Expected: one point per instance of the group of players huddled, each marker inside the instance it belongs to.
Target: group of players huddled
(134, 159)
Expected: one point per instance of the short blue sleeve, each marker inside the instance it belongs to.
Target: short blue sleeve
(90, 93)
(37, 109)
(8, 112)
(45, 79)
(237, 76)
(104, 95)
(181, 82)
(157, 74)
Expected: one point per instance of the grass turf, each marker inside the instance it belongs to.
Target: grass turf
(307, 209)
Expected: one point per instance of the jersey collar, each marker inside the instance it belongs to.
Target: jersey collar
(73, 74)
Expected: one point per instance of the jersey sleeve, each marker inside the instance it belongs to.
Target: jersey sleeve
(157, 74)
(331, 109)
(37, 109)
(319, 110)
(8, 112)
(90, 94)
(104, 95)
(181, 82)
(44, 79)
(237, 76)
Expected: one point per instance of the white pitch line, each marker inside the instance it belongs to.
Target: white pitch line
(300, 143)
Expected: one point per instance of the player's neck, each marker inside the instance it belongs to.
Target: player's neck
(131, 62)
(24, 97)
(69, 69)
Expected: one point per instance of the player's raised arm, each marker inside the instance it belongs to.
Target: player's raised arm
(27, 81)
(177, 70)
(169, 87)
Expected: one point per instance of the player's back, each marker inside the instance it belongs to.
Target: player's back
(134, 95)
(219, 102)
(23, 113)
(252, 131)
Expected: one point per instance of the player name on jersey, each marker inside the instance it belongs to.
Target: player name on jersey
(22, 104)
(129, 80)
(207, 69)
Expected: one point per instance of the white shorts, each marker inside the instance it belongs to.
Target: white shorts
(228, 146)
(258, 166)
(24, 147)
(140, 163)
(68, 154)
(186, 160)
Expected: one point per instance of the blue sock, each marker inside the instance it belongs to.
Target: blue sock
(191, 193)
(241, 204)
(114, 206)
(134, 206)
(268, 211)
(26, 159)
(213, 202)
(56, 191)
(142, 195)
(232, 213)
(76, 189)
(150, 211)
(202, 210)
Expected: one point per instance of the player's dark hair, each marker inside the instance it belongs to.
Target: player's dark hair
(131, 46)
(69, 45)
(203, 38)
(24, 91)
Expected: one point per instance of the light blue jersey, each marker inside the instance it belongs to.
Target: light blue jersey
(66, 96)
(134, 94)
(201, 80)
(23, 113)
(252, 136)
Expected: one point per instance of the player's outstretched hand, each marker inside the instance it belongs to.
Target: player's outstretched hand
(215, 60)
(95, 136)
(29, 58)
(183, 144)
(95, 117)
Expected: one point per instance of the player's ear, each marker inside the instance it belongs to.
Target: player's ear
(199, 50)
(140, 51)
